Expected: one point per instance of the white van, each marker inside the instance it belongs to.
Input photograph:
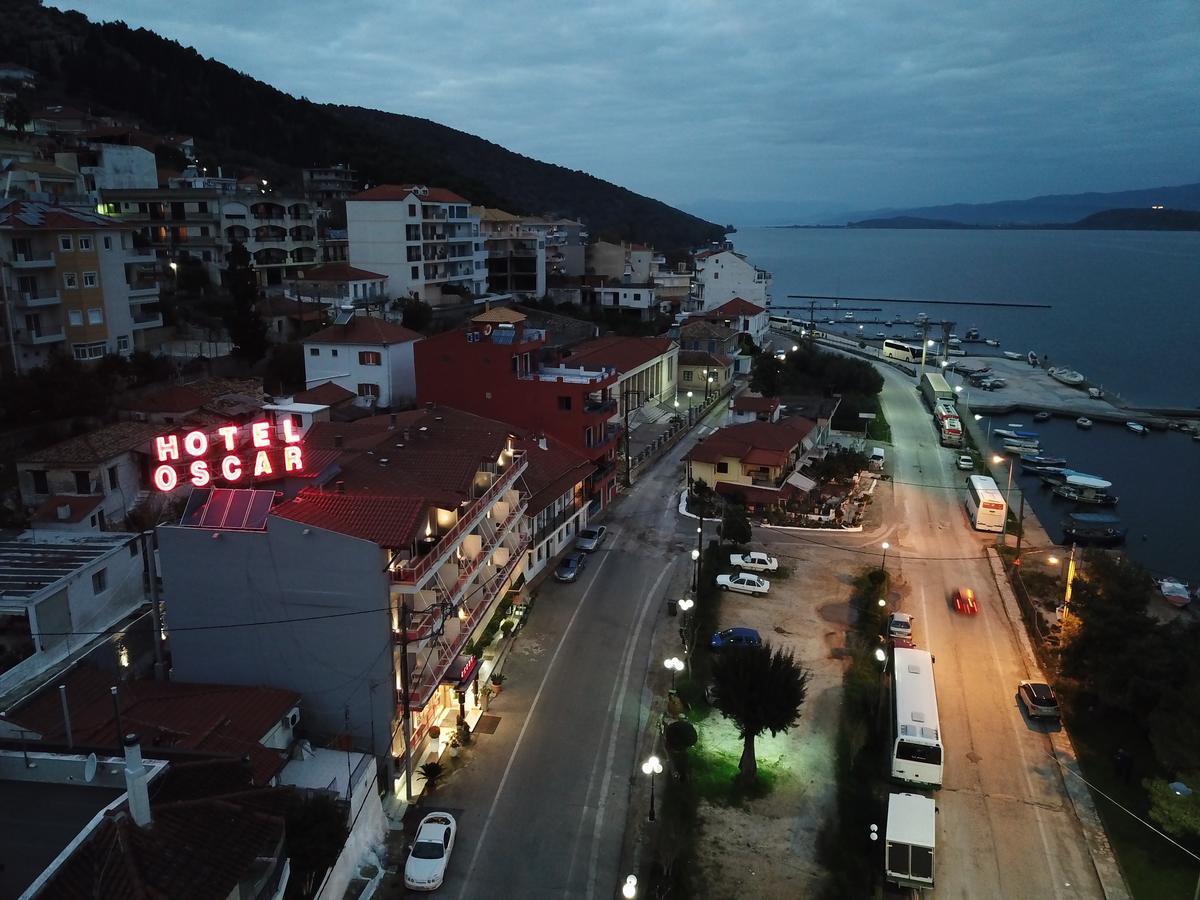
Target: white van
(877, 458)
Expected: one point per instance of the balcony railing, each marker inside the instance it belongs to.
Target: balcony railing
(424, 683)
(603, 406)
(34, 299)
(31, 261)
(412, 571)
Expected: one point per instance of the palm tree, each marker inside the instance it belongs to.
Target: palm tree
(760, 689)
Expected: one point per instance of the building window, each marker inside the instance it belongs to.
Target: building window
(412, 210)
(314, 351)
(687, 374)
(716, 275)
(88, 351)
(40, 485)
(85, 242)
(133, 548)
(297, 421)
(368, 390)
(90, 280)
(75, 316)
(100, 581)
(64, 242)
(95, 316)
(70, 280)
(123, 344)
(723, 468)
(370, 358)
(113, 481)
(564, 403)
(333, 352)
(83, 482)
(416, 273)
(108, 243)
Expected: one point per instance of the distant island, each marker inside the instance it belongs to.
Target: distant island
(1154, 219)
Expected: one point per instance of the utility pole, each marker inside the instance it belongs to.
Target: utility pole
(700, 558)
(625, 405)
(160, 667)
(405, 690)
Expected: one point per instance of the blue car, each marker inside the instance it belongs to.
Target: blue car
(570, 567)
(734, 637)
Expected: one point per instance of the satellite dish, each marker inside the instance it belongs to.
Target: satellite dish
(89, 768)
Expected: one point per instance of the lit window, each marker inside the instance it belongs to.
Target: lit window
(370, 358)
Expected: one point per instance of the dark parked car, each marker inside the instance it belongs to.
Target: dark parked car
(735, 637)
(1038, 699)
(570, 567)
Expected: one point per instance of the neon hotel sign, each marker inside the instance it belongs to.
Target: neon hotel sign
(203, 457)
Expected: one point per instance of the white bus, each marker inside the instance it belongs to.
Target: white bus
(985, 504)
(897, 350)
(916, 736)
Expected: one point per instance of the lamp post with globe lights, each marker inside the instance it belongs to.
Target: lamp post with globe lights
(997, 459)
(685, 607)
(675, 664)
(652, 767)
(629, 887)
(886, 547)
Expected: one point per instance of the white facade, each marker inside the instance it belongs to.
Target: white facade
(391, 380)
(119, 166)
(724, 275)
(420, 244)
(117, 480)
(640, 297)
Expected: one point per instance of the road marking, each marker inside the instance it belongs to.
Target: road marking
(512, 757)
(602, 802)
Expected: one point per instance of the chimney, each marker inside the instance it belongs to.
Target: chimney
(541, 442)
(338, 441)
(63, 511)
(392, 422)
(136, 778)
(340, 486)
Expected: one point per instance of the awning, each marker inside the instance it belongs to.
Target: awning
(801, 482)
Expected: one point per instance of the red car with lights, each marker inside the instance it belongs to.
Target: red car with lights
(964, 601)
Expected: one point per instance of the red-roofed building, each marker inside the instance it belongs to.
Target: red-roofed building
(753, 455)
(68, 512)
(557, 480)
(338, 282)
(723, 275)
(648, 367)
(493, 367)
(364, 354)
(397, 556)
(748, 321)
(751, 407)
(424, 240)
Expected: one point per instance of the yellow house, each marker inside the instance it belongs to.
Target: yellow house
(703, 373)
(754, 459)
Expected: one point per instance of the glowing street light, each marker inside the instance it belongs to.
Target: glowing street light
(998, 460)
(629, 888)
(652, 767)
(675, 664)
(696, 570)
(795, 347)
(880, 655)
(886, 547)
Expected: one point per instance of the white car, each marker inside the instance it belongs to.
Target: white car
(590, 538)
(430, 852)
(966, 463)
(755, 561)
(744, 583)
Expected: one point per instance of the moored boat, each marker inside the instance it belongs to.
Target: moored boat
(1034, 462)
(1086, 489)
(1021, 448)
(1012, 354)
(1065, 375)
(1015, 435)
(1031, 358)
(1060, 476)
(1098, 529)
(1084, 422)
(1175, 592)
(972, 334)
(1137, 427)
(991, 342)
(1042, 416)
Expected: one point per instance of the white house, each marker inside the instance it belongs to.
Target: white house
(634, 299)
(369, 356)
(746, 320)
(722, 275)
(423, 240)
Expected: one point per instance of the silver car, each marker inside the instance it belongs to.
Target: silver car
(590, 538)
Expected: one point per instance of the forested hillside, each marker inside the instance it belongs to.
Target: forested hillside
(239, 121)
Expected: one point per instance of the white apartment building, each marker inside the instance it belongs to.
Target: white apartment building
(722, 275)
(368, 356)
(424, 240)
(71, 281)
(640, 300)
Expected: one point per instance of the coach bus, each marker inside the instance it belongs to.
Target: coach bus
(985, 504)
(903, 352)
(916, 736)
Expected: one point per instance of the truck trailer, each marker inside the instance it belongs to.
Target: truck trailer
(910, 837)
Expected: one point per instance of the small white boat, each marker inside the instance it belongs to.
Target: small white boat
(955, 342)
(1065, 375)
(1137, 427)
(1084, 422)
(1175, 592)
(1011, 435)
(1012, 354)
(1095, 393)
(1022, 448)
(991, 342)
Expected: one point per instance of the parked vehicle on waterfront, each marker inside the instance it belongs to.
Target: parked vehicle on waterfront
(744, 583)
(934, 389)
(1038, 699)
(430, 853)
(732, 638)
(951, 433)
(901, 351)
(916, 735)
(909, 841)
(900, 625)
(985, 504)
(754, 561)
(965, 463)
(590, 538)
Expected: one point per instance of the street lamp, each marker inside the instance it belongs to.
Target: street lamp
(795, 347)
(886, 546)
(997, 459)
(675, 664)
(629, 888)
(696, 572)
(979, 418)
(685, 606)
(652, 767)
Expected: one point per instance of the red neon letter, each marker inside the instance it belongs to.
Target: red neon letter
(167, 447)
(200, 476)
(292, 459)
(262, 465)
(229, 432)
(261, 432)
(195, 443)
(289, 432)
(165, 478)
(231, 468)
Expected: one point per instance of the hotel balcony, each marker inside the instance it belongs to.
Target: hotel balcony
(433, 214)
(29, 261)
(42, 336)
(415, 571)
(36, 299)
(570, 375)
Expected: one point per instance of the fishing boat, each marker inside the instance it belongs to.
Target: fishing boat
(972, 334)
(1065, 375)
(1042, 416)
(1033, 462)
(1097, 529)
(1060, 476)
(1012, 354)
(1175, 592)
(1084, 422)
(1021, 448)
(1137, 427)
(1086, 489)
(991, 342)
(1015, 435)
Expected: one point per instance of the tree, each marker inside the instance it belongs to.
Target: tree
(760, 689)
(417, 314)
(735, 527)
(766, 377)
(247, 330)
(1177, 813)
(315, 829)
(17, 114)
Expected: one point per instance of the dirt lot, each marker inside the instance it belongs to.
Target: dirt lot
(767, 847)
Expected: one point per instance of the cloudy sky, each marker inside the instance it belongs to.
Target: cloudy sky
(753, 110)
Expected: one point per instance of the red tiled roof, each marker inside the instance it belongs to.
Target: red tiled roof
(217, 718)
(97, 446)
(81, 508)
(364, 330)
(696, 328)
(735, 307)
(404, 191)
(337, 271)
(278, 305)
(621, 353)
(327, 394)
(34, 215)
(172, 399)
(552, 471)
(756, 403)
(387, 521)
(753, 493)
(758, 443)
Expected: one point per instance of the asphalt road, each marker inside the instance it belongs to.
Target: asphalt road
(542, 802)
(1006, 825)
